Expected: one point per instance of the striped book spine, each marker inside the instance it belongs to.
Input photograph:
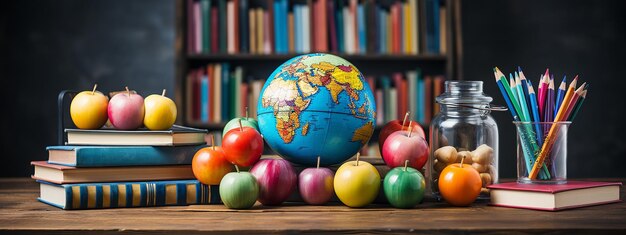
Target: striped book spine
(133, 194)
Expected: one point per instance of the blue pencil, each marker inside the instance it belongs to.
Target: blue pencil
(535, 111)
(522, 98)
(559, 96)
(504, 95)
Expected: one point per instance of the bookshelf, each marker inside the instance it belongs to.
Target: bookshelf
(259, 64)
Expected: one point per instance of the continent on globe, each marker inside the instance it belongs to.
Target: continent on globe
(316, 105)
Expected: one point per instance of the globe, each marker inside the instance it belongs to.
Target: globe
(316, 105)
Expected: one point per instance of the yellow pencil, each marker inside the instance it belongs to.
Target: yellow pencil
(547, 144)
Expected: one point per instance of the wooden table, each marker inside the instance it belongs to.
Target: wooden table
(21, 213)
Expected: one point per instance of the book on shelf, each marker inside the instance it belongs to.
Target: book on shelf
(339, 26)
(105, 156)
(554, 197)
(60, 174)
(175, 136)
(127, 194)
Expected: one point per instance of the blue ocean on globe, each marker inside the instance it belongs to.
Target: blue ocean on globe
(316, 105)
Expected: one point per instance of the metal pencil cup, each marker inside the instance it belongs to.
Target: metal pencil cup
(543, 144)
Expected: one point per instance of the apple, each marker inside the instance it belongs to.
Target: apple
(126, 110)
(160, 112)
(277, 179)
(243, 146)
(404, 186)
(209, 165)
(459, 184)
(239, 190)
(89, 109)
(357, 183)
(245, 121)
(316, 184)
(397, 125)
(405, 145)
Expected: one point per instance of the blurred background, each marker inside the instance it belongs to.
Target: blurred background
(47, 46)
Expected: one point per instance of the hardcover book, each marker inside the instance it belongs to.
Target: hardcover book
(60, 174)
(127, 194)
(177, 135)
(103, 156)
(555, 197)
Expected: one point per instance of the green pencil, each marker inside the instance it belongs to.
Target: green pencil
(507, 88)
(578, 104)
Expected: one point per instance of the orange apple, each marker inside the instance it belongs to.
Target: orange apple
(89, 109)
(209, 165)
(459, 184)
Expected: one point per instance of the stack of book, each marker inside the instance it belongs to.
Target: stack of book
(340, 26)
(219, 92)
(111, 168)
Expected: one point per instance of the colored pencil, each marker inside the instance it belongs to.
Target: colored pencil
(513, 87)
(543, 86)
(549, 141)
(574, 101)
(549, 108)
(522, 98)
(579, 104)
(559, 95)
(501, 78)
(504, 94)
(525, 90)
(535, 111)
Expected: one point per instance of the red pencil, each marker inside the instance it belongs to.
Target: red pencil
(543, 89)
(575, 98)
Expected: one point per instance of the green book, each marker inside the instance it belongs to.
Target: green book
(206, 25)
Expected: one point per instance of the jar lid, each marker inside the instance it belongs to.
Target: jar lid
(463, 92)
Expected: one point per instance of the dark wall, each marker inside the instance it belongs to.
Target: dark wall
(571, 37)
(47, 46)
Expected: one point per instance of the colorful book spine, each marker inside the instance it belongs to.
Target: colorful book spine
(360, 15)
(99, 156)
(132, 194)
(204, 99)
(225, 92)
(223, 31)
(206, 23)
(244, 31)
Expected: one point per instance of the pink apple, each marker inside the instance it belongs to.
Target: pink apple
(396, 125)
(126, 110)
(277, 179)
(316, 185)
(401, 146)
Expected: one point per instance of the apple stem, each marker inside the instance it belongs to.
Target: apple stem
(247, 113)
(318, 161)
(410, 127)
(406, 164)
(357, 158)
(462, 159)
(406, 116)
(163, 93)
(236, 168)
(93, 92)
(240, 126)
(128, 92)
(213, 141)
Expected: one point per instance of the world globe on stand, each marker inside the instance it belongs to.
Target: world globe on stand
(316, 105)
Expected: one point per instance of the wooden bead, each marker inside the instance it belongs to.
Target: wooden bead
(446, 154)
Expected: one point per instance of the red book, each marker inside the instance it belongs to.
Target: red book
(191, 37)
(554, 197)
(402, 93)
(321, 32)
(236, 25)
(244, 98)
(428, 99)
(215, 46)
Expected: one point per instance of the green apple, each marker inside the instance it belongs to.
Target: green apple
(404, 187)
(160, 112)
(239, 190)
(357, 183)
(89, 109)
(245, 121)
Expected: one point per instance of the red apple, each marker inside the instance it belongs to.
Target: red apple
(316, 185)
(209, 165)
(277, 179)
(404, 145)
(126, 110)
(397, 125)
(243, 146)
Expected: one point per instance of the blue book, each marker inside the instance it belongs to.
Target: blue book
(103, 156)
(127, 194)
(278, 39)
(284, 27)
(225, 92)
(386, 84)
(360, 15)
(339, 26)
(297, 15)
(382, 18)
(244, 45)
(204, 98)
(432, 26)
(421, 98)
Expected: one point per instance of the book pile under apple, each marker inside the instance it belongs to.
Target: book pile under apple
(123, 166)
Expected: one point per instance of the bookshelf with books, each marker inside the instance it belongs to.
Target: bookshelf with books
(227, 48)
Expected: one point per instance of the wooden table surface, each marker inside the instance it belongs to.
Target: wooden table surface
(20, 212)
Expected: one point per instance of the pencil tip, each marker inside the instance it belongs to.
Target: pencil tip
(519, 68)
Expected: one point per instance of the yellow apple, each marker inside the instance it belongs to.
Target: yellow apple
(357, 183)
(89, 109)
(160, 112)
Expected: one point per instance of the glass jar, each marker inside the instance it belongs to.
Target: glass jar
(465, 129)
